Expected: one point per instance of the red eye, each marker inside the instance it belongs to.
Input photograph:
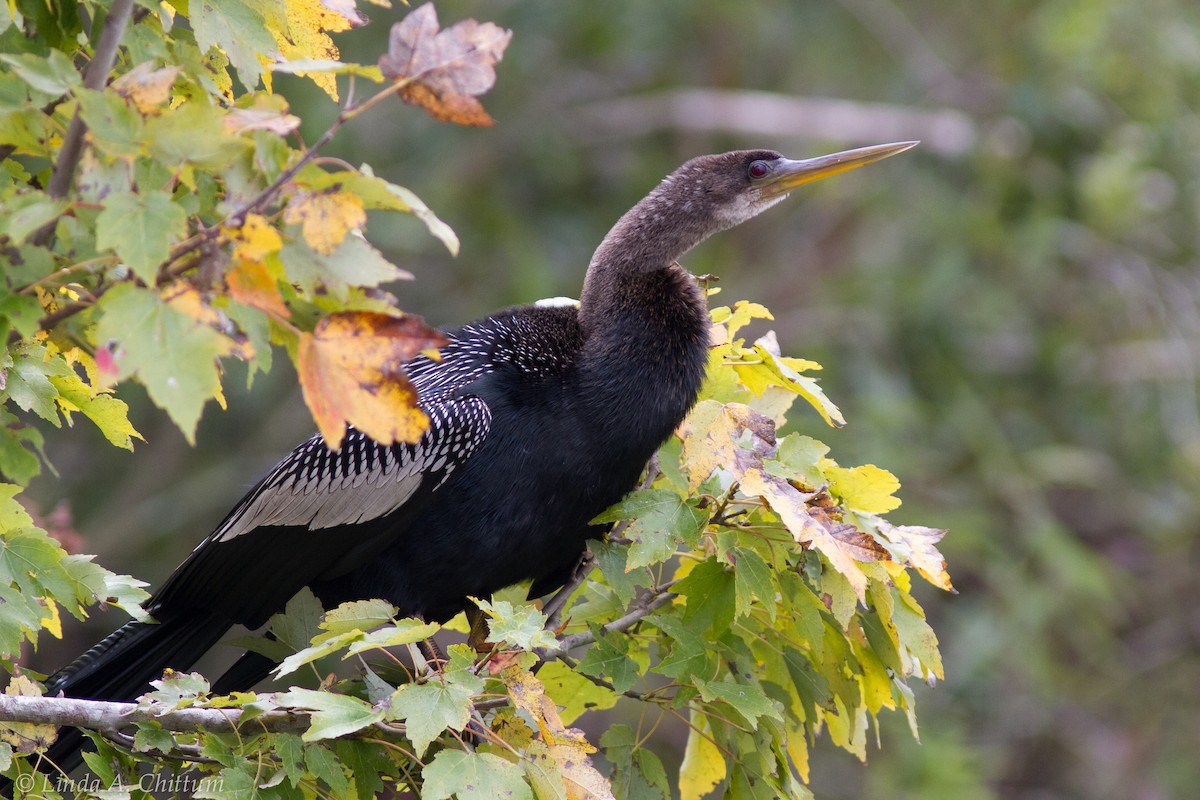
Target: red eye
(759, 169)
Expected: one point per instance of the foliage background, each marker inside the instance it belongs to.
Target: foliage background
(1009, 319)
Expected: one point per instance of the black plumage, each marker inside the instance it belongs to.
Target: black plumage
(541, 418)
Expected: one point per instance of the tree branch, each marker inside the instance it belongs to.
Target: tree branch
(94, 78)
(102, 715)
(646, 605)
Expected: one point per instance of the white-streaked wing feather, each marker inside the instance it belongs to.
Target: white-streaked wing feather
(320, 488)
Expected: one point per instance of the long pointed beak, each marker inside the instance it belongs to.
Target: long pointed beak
(790, 174)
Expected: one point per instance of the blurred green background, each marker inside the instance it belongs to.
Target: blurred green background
(1009, 317)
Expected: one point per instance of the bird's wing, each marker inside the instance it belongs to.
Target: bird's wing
(320, 513)
(362, 480)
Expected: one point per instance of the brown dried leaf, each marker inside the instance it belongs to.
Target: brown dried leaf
(351, 370)
(448, 69)
(916, 545)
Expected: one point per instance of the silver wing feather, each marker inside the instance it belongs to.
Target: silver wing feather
(362, 480)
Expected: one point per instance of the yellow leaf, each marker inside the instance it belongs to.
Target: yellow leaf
(742, 313)
(51, 621)
(304, 34)
(255, 239)
(147, 88)
(351, 371)
(26, 737)
(867, 488)
(326, 218)
(703, 765)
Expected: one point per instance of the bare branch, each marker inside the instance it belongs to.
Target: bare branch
(644, 606)
(102, 715)
(97, 74)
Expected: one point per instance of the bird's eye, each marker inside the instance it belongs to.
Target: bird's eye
(759, 169)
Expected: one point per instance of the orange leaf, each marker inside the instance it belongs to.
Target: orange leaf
(252, 284)
(448, 69)
(351, 370)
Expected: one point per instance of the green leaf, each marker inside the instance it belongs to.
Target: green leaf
(353, 263)
(752, 578)
(28, 384)
(170, 352)
(416, 207)
(523, 626)
(239, 30)
(110, 414)
(429, 709)
(326, 766)
(193, 133)
(19, 223)
(17, 462)
(113, 125)
(93, 583)
(473, 776)
(141, 228)
(609, 657)
(290, 749)
(53, 74)
(573, 692)
(358, 614)
(611, 559)
(300, 621)
(661, 520)
(176, 690)
(915, 634)
(637, 772)
(151, 736)
(711, 597)
(690, 653)
(400, 632)
(746, 699)
(334, 714)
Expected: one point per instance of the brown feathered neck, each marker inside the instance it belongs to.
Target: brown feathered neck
(704, 196)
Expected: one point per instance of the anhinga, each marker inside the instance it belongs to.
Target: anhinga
(541, 417)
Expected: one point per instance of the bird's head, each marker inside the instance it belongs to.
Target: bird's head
(733, 187)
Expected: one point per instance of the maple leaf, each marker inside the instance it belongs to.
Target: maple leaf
(255, 239)
(735, 438)
(252, 284)
(303, 34)
(446, 69)
(326, 217)
(26, 737)
(148, 89)
(565, 748)
(915, 544)
(351, 371)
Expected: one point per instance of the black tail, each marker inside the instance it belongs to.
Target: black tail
(121, 667)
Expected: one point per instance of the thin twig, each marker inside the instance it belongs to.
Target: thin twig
(649, 602)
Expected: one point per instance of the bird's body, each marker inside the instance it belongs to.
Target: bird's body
(541, 417)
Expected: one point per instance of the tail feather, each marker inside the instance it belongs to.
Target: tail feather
(122, 665)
